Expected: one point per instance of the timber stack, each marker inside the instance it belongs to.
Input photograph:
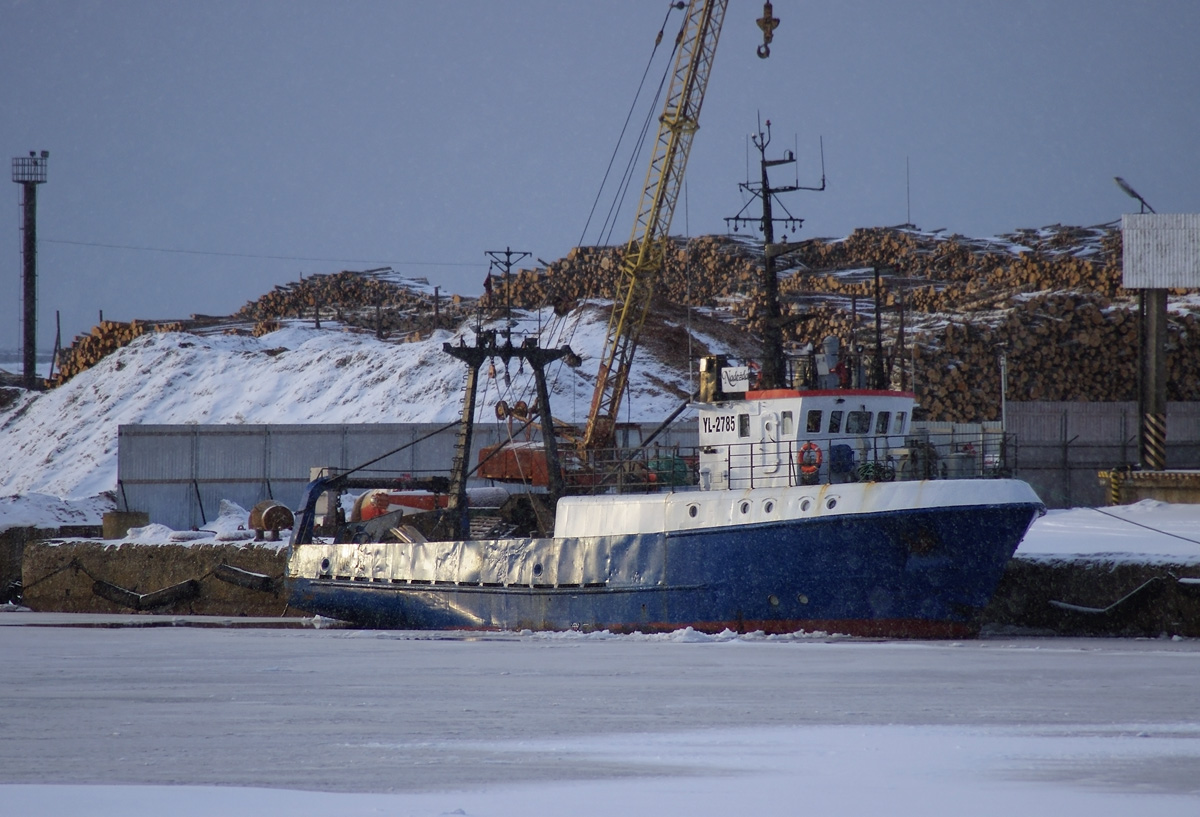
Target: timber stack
(1049, 300)
(376, 300)
(106, 337)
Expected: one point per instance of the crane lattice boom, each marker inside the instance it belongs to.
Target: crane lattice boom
(644, 254)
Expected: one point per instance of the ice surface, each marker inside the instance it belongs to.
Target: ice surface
(190, 722)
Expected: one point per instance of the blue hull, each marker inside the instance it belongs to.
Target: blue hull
(925, 572)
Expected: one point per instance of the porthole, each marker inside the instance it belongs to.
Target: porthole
(693, 510)
(325, 565)
(773, 600)
(805, 504)
(831, 503)
(769, 506)
(803, 599)
(537, 569)
(744, 507)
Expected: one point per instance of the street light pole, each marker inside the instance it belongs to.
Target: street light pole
(1152, 364)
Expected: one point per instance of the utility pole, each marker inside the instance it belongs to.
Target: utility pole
(29, 172)
(503, 260)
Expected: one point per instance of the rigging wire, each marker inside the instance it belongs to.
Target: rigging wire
(628, 116)
(637, 152)
(623, 189)
(610, 222)
(566, 327)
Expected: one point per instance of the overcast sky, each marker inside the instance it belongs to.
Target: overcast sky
(260, 140)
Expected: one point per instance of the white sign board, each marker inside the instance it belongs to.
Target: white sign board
(1160, 251)
(735, 378)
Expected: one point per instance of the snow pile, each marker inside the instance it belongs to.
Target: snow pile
(64, 442)
(231, 525)
(42, 511)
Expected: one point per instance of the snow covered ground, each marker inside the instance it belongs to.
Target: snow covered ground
(192, 721)
(1147, 532)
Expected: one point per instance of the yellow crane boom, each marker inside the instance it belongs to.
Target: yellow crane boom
(643, 258)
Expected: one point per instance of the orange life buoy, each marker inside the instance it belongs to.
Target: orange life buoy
(809, 458)
(755, 374)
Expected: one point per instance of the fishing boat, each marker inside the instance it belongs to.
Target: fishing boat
(801, 509)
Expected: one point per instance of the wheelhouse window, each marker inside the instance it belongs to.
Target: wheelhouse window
(898, 425)
(785, 423)
(814, 422)
(835, 422)
(881, 422)
(743, 425)
(858, 422)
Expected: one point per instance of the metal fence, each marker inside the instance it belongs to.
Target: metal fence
(1063, 446)
(180, 473)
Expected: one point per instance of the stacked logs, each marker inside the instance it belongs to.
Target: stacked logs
(361, 299)
(265, 327)
(703, 271)
(1049, 300)
(108, 336)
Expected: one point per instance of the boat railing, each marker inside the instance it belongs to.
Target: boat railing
(856, 459)
(763, 464)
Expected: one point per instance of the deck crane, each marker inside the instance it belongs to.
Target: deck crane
(643, 258)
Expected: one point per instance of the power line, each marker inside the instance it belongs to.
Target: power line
(253, 255)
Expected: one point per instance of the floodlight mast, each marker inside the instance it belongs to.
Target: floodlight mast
(1133, 194)
(29, 172)
(1152, 366)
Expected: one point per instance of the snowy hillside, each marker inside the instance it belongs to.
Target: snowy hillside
(64, 442)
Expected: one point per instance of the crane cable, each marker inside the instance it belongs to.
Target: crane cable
(628, 117)
(558, 327)
(568, 334)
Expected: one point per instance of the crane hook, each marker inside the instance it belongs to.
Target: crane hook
(768, 24)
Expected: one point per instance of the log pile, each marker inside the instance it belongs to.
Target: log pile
(704, 271)
(1050, 300)
(363, 299)
(108, 336)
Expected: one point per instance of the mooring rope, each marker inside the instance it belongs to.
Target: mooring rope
(1147, 527)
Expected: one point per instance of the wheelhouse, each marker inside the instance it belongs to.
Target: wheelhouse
(787, 437)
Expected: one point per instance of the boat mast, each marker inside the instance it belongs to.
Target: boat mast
(774, 366)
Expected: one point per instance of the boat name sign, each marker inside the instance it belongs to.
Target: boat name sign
(735, 378)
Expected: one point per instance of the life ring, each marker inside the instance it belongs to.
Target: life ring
(809, 458)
